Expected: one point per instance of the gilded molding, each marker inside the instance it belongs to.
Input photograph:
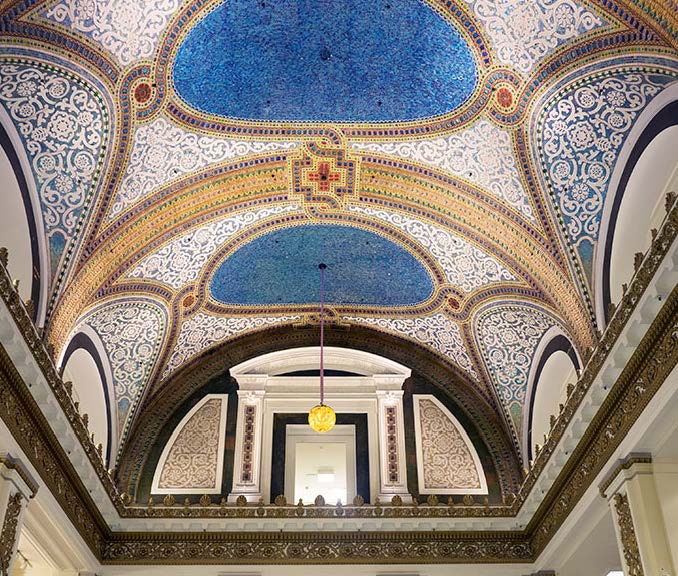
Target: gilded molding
(34, 435)
(318, 548)
(627, 535)
(646, 371)
(8, 536)
(43, 357)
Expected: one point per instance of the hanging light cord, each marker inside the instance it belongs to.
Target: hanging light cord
(322, 331)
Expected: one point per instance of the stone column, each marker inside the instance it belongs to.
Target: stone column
(16, 489)
(248, 438)
(639, 524)
(392, 461)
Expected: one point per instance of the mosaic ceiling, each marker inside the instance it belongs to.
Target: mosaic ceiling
(450, 161)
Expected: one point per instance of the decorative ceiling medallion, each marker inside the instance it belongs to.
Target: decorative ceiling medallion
(323, 178)
(357, 62)
(142, 92)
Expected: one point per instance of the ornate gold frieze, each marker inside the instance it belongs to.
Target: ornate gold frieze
(394, 509)
(645, 372)
(627, 535)
(30, 429)
(318, 548)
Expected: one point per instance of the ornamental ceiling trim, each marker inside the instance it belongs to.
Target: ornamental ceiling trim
(140, 236)
(60, 140)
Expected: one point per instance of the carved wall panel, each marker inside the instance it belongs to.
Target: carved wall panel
(192, 460)
(447, 462)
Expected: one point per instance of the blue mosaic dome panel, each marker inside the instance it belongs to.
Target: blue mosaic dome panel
(281, 267)
(324, 60)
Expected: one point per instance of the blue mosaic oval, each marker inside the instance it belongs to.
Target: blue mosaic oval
(324, 60)
(281, 267)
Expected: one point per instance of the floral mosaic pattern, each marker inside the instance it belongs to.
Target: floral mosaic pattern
(524, 31)
(437, 331)
(128, 29)
(448, 464)
(132, 334)
(191, 463)
(508, 337)
(464, 265)
(204, 330)
(162, 151)
(480, 154)
(180, 261)
(63, 126)
(580, 135)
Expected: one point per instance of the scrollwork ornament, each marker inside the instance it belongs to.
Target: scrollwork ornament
(8, 537)
(627, 534)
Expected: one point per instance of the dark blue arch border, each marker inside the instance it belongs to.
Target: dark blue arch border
(14, 161)
(559, 343)
(665, 118)
(83, 342)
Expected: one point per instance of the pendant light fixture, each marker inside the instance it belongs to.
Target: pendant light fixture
(321, 417)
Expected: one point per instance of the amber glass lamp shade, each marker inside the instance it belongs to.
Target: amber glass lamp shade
(322, 418)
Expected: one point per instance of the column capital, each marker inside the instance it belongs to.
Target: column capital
(389, 382)
(248, 396)
(623, 471)
(390, 397)
(12, 470)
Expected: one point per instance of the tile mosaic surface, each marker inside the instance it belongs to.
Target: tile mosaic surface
(132, 333)
(337, 60)
(446, 458)
(525, 31)
(281, 267)
(191, 464)
(128, 29)
(203, 331)
(438, 332)
(465, 265)
(162, 152)
(508, 337)
(481, 154)
(179, 262)
(441, 158)
(579, 136)
(63, 125)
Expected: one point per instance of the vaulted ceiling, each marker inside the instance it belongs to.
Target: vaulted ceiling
(192, 163)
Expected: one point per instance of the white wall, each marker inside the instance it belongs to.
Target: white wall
(14, 231)
(597, 553)
(88, 390)
(557, 373)
(642, 206)
(665, 465)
